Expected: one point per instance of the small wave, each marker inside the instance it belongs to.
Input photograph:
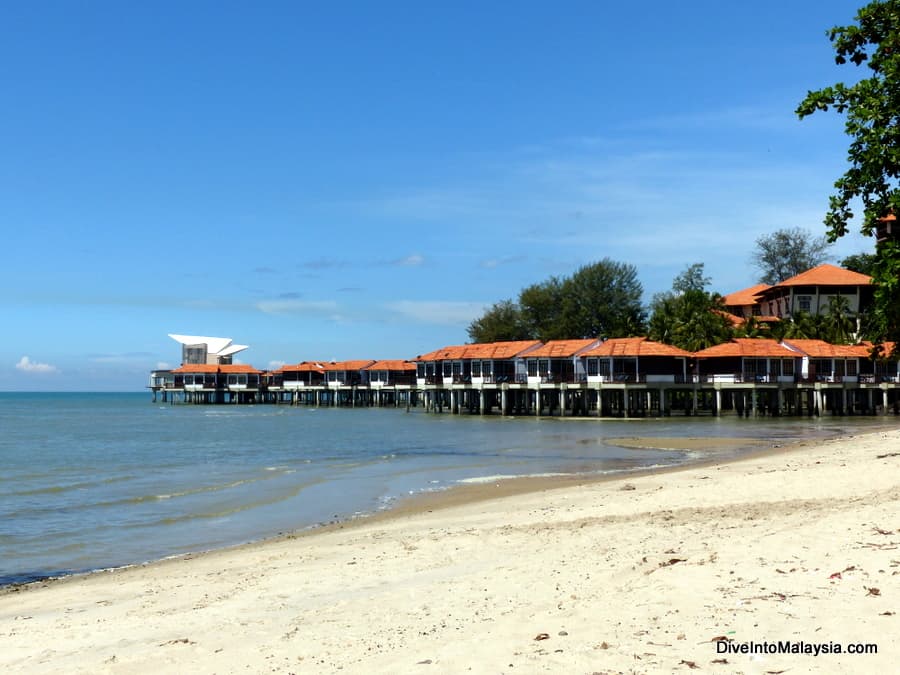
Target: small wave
(492, 479)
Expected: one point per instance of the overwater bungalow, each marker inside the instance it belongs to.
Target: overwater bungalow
(635, 359)
(476, 364)
(824, 362)
(747, 360)
(391, 373)
(213, 383)
(347, 373)
(558, 361)
(301, 375)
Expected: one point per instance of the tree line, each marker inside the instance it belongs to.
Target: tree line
(604, 300)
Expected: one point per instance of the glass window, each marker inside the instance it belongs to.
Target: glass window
(604, 367)
(839, 366)
(851, 367)
(592, 367)
(476, 368)
(787, 367)
(532, 367)
(544, 366)
(447, 368)
(804, 303)
(232, 379)
(420, 370)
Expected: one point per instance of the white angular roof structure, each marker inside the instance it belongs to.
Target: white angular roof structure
(214, 345)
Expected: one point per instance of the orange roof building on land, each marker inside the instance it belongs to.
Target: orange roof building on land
(635, 346)
(744, 297)
(826, 275)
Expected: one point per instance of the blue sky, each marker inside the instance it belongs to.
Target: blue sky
(359, 180)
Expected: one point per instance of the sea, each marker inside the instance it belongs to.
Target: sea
(100, 480)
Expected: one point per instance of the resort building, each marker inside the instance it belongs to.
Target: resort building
(391, 373)
(196, 349)
(824, 362)
(212, 383)
(747, 360)
(476, 364)
(558, 361)
(811, 292)
(745, 303)
(635, 359)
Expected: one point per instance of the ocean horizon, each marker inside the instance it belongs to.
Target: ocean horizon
(95, 480)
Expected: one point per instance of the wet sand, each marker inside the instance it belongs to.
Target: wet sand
(637, 573)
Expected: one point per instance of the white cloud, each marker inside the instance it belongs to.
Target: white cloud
(438, 311)
(413, 260)
(26, 365)
(275, 365)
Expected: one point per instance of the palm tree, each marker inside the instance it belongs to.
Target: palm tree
(838, 326)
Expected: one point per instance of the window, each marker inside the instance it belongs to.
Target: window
(487, 368)
(839, 366)
(448, 369)
(457, 368)
(593, 367)
(851, 367)
(543, 366)
(420, 370)
(476, 368)
(787, 366)
(804, 303)
(532, 367)
(232, 379)
(604, 367)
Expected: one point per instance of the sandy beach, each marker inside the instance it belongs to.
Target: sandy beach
(668, 572)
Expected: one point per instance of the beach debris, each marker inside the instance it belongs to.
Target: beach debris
(872, 591)
(890, 454)
(886, 614)
(722, 661)
(836, 575)
(542, 636)
(628, 486)
(426, 662)
(671, 561)
(690, 664)
(178, 641)
(721, 638)
(562, 632)
(880, 531)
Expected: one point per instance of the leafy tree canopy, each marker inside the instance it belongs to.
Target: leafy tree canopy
(602, 299)
(688, 316)
(872, 109)
(864, 263)
(788, 252)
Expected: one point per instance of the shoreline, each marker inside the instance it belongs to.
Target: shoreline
(624, 574)
(473, 491)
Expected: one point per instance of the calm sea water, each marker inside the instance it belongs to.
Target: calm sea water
(91, 481)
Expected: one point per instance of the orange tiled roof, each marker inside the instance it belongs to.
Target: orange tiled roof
(748, 347)
(561, 349)
(348, 365)
(480, 350)
(214, 368)
(746, 296)
(304, 367)
(735, 320)
(635, 346)
(396, 364)
(827, 275)
(822, 349)
(767, 319)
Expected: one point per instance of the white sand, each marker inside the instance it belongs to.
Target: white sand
(620, 580)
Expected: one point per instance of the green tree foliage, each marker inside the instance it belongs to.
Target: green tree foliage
(688, 316)
(864, 263)
(502, 322)
(602, 299)
(788, 252)
(872, 109)
(839, 326)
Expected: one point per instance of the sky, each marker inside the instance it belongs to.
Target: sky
(361, 180)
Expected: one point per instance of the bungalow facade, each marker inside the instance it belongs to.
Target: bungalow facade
(635, 359)
(390, 373)
(301, 375)
(476, 364)
(347, 373)
(744, 303)
(748, 360)
(557, 361)
(824, 362)
(812, 291)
